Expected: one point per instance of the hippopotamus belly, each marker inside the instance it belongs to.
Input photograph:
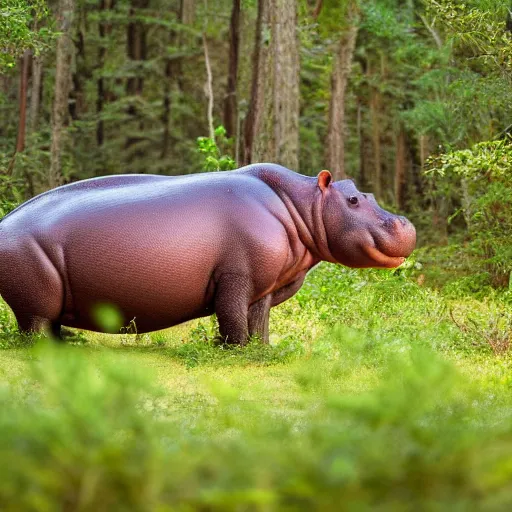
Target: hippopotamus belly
(156, 277)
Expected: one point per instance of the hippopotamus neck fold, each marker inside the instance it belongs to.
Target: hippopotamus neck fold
(304, 202)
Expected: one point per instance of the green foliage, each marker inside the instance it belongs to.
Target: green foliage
(89, 428)
(460, 106)
(11, 194)
(20, 29)
(464, 96)
(110, 439)
(28, 169)
(476, 27)
(213, 151)
(354, 401)
(7, 325)
(482, 175)
(108, 317)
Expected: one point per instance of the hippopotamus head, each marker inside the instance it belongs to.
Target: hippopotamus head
(359, 232)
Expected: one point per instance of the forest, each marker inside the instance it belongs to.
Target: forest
(379, 389)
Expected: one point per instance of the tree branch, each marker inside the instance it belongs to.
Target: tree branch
(209, 88)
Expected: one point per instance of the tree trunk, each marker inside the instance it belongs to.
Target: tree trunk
(424, 149)
(136, 48)
(173, 72)
(209, 89)
(62, 87)
(260, 56)
(400, 167)
(166, 114)
(187, 12)
(137, 52)
(375, 106)
(78, 103)
(187, 17)
(105, 30)
(272, 130)
(231, 103)
(318, 8)
(335, 152)
(35, 95)
(361, 137)
(25, 66)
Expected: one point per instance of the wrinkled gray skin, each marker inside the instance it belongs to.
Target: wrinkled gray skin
(165, 250)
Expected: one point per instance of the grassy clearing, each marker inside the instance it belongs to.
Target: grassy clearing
(375, 393)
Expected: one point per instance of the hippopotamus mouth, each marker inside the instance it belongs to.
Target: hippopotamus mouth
(390, 246)
(381, 259)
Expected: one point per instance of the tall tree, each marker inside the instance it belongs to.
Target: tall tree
(24, 72)
(231, 103)
(35, 94)
(375, 114)
(400, 167)
(105, 29)
(62, 88)
(136, 47)
(187, 11)
(173, 70)
(335, 151)
(272, 127)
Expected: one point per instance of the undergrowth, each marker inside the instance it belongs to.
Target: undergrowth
(86, 436)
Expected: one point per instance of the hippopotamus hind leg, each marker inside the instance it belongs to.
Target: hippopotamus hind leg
(33, 288)
(259, 312)
(288, 291)
(258, 318)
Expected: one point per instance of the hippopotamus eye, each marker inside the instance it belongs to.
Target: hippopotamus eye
(353, 200)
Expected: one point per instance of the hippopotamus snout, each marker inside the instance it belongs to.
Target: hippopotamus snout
(397, 238)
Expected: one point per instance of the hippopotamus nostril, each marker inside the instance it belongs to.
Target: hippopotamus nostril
(388, 222)
(395, 222)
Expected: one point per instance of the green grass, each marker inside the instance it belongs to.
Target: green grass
(375, 393)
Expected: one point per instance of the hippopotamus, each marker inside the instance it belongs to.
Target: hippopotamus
(167, 249)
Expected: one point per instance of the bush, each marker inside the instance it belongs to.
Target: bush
(213, 151)
(82, 436)
(483, 179)
(11, 194)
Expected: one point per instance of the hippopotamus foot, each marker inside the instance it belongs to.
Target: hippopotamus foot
(258, 318)
(33, 324)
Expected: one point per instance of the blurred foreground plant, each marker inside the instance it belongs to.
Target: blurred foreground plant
(82, 436)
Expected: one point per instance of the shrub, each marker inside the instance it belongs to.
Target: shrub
(75, 434)
(482, 178)
(214, 151)
(11, 194)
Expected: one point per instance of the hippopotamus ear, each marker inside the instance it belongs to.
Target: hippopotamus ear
(324, 180)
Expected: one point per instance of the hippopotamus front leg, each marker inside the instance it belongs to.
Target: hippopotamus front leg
(259, 311)
(232, 297)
